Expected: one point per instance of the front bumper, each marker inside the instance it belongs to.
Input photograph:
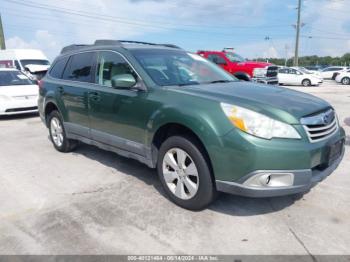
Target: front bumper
(303, 181)
(266, 80)
(13, 107)
(239, 156)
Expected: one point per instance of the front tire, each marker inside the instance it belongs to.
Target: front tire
(58, 134)
(345, 81)
(306, 82)
(185, 174)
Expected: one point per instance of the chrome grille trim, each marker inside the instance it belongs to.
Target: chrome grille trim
(272, 71)
(318, 131)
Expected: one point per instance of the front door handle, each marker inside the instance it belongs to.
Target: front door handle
(94, 96)
(60, 90)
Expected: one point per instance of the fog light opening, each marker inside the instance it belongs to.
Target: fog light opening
(270, 180)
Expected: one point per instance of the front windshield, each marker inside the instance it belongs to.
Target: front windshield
(233, 57)
(26, 62)
(10, 78)
(175, 67)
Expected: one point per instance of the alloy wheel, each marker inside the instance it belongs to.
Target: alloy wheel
(346, 81)
(56, 131)
(180, 173)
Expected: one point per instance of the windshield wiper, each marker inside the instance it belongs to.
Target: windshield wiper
(220, 81)
(188, 84)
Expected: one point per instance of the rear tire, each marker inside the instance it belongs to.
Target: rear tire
(345, 81)
(185, 174)
(58, 134)
(306, 82)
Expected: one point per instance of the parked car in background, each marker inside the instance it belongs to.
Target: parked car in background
(343, 77)
(18, 94)
(328, 72)
(31, 62)
(294, 76)
(241, 68)
(307, 71)
(202, 129)
(314, 68)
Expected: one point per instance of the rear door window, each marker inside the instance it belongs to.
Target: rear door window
(58, 67)
(80, 67)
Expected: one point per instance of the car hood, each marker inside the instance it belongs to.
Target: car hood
(37, 68)
(279, 103)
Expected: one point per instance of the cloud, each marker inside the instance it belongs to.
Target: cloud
(154, 19)
(42, 40)
(328, 22)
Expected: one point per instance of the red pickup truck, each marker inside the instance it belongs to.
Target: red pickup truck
(233, 63)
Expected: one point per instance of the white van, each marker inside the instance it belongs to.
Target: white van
(32, 62)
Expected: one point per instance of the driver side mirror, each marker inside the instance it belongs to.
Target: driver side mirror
(123, 81)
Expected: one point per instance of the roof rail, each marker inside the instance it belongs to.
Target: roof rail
(143, 43)
(171, 45)
(102, 42)
(136, 42)
(108, 42)
(71, 48)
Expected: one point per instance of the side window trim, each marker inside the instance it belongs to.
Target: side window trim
(94, 66)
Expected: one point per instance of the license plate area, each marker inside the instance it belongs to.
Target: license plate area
(335, 151)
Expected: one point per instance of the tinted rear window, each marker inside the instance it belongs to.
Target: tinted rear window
(58, 67)
(79, 67)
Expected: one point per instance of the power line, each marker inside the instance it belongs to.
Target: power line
(128, 21)
(325, 37)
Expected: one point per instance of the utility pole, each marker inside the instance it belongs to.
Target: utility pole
(296, 54)
(2, 36)
(286, 47)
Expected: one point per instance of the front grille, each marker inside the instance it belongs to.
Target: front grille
(272, 71)
(321, 126)
(21, 109)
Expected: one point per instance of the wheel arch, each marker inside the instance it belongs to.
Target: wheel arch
(308, 79)
(344, 78)
(49, 107)
(178, 129)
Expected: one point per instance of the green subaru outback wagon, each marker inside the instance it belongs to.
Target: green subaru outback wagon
(202, 129)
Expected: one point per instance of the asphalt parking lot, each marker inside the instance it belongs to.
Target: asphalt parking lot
(95, 202)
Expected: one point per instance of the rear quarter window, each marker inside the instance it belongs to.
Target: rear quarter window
(58, 68)
(79, 67)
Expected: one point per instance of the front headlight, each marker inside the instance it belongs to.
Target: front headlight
(257, 124)
(259, 72)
